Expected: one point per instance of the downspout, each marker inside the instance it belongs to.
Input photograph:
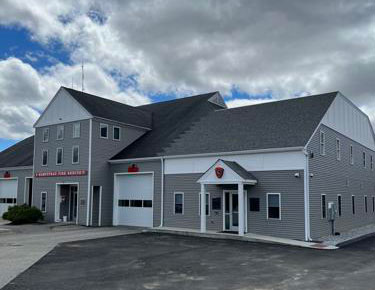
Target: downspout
(307, 196)
(89, 178)
(162, 194)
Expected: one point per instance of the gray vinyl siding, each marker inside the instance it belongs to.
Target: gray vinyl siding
(332, 177)
(48, 184)
(102, 151)
(21, 174)
(291, 189)
(144, 166)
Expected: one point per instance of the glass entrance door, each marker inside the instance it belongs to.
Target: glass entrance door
(73, 198)
(231, 211)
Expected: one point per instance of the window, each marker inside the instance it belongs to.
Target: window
(60, 132)
(351, 157)
(123, 203)
(254, 204)
(45, 134)
(116, 133)
(43, 202)
(338, 149)
(216, 203)
(75, 154)
(178, 203)
(324, 206)
(365, 200)
(339, 205)
(373, 204)
(353, 204)
(104, 131)
(364, 159)
(273, 206)
(371, 163)
(76, 130)
(322, 143)
(207, 204)
(147, 203)
(59, 156)
(44, 157)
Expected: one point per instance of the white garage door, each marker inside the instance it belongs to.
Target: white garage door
(8, 194)
(133, 200)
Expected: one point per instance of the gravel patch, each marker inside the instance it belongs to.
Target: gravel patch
(346, 237)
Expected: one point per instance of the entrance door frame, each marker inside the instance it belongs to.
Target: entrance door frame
(57, 206)
(234, 191)
(100, 204)
(26, 190)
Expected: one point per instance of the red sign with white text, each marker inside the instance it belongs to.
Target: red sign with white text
(61, 173)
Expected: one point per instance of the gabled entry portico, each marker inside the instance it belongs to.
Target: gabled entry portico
(224, 172)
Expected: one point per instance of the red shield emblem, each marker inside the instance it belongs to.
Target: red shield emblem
(219, 172)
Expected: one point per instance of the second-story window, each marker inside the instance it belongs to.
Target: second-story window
(364, 159)
(76, 130)
(59, 156)
(103, 131)
(45, 134)
(75, 155)
(60, 132)
(44, 157)
(351, 157)
(116, 133)
(338, 149)
(322, 143)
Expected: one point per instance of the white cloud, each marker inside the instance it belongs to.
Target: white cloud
(246, 102)
(199, 46)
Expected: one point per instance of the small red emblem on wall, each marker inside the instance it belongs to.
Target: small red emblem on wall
(7, 174)
(133, 168)
(219, 172)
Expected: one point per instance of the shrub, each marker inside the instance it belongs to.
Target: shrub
(23, 214)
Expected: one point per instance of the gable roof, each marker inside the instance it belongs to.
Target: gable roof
(280, 124)
(170, 120)
(239, 170)
(20, 154)
(111, 110)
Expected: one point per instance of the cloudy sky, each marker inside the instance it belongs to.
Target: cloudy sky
(145, 51)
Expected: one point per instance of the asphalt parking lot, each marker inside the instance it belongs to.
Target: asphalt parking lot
(163, 261)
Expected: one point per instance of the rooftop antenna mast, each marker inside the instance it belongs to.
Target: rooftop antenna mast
(83, 77)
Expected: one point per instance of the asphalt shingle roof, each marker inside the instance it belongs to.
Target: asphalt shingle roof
(239, 170)
(281, 124)
(108, 109)
(170, 120)
(20, 154)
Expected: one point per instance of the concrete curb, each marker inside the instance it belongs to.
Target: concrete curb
(354, 240)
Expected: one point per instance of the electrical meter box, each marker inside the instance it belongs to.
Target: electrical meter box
(332, 211)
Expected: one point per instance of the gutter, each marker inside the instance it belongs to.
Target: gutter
(162, 194)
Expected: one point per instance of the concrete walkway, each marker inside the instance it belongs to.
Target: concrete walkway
(248, 237)
(22, 246)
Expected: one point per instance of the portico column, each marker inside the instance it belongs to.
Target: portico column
(241, 211)
(203, 208)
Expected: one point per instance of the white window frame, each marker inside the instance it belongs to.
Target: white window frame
(273, 193)
(339, 205)
(119, 133)
(41, 202)
(78, 124)
(103, 125)
(353, 206)
(364, 159)
(62, 155)
(174, 202)
(74, 147)
(45, 130)
(57, 132)
(338, 149)
(209, 204)
(44, 150)
(321, 206)
(351, 155)
(322, 143)
(365, 203)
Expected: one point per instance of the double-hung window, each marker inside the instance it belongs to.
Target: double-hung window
(322, 143)
(365, 200)
(45, 134)
(76, 130)
(338, 149)
(273, 206)
(178, 203)
(207, 204)
(59, 156)
(60, 132)
(353, 204)
(45, 157)
(324, 206)
(116, 133)
(75, 154)
(103, 131)
(43, 202)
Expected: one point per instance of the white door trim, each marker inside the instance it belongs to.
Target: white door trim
(57, 191)
(234, 191)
